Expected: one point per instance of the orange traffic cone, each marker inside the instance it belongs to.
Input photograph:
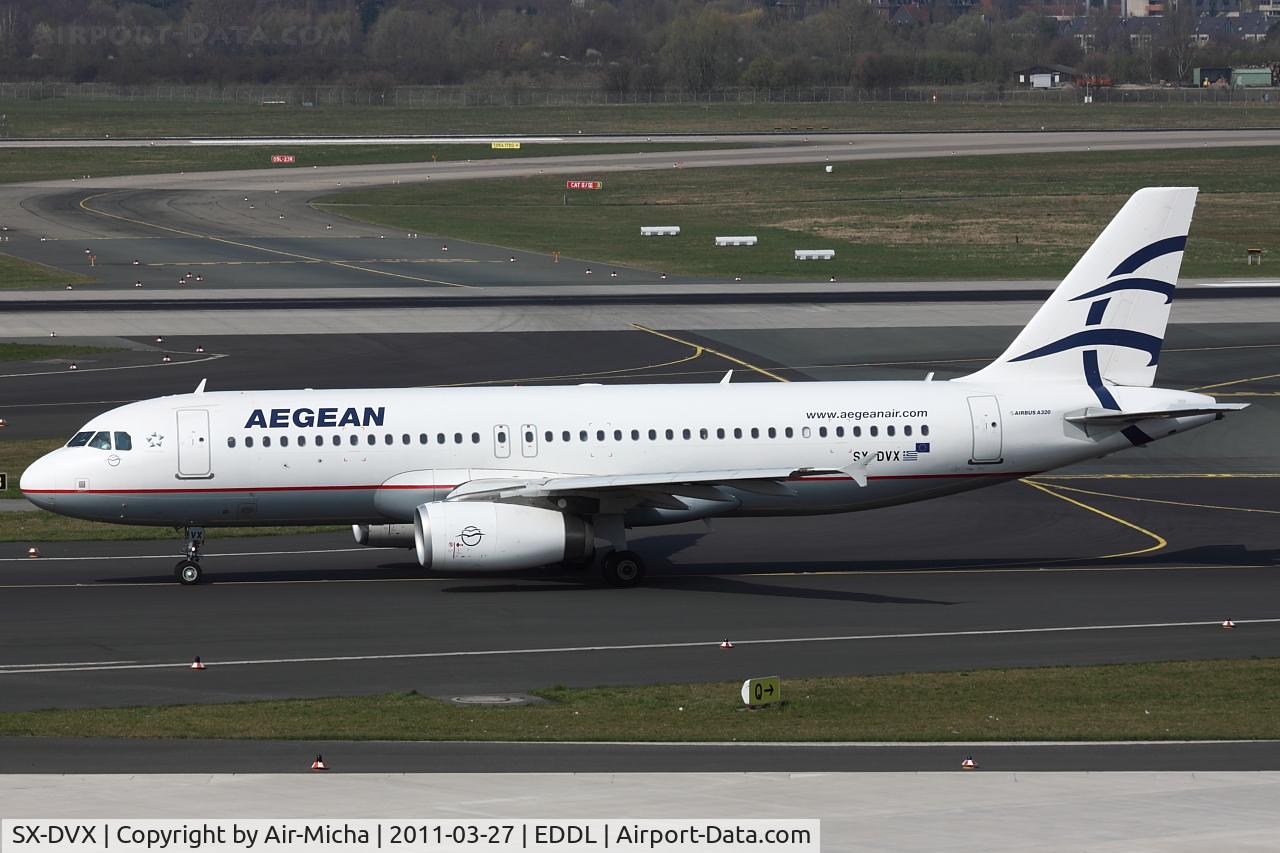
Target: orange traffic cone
(726, 644)
(968, 764)
(197, 664)
(33, 552)
(319, 764)
(1228, 624)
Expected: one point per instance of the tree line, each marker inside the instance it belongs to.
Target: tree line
(618, 45)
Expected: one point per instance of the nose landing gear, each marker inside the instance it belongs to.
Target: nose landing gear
(187, 572)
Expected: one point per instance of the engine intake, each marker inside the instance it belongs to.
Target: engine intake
(483, 535)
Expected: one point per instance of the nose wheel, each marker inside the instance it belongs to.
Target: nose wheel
(188, 571)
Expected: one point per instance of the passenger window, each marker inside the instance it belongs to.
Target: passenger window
(405, 439)
(839, 432)
(422, 438)
(720, 432)
(565, 435)
(888, 430)
(457, 438)
(388, 439)
(548, 436)
(266, 441)
(617, 435)
(737, 432)
(599, 435)
(101, 441)
(248, 441)
(857, 432)
(924, 429)
(302, 441)
(337, 440)
(670, 435)
(653, 435)
(80, 439)
(284, 441)
(231, 442)
(686, 433)
(875, 431)
(582, 435)
(635, 435)
(123, 441)
(906, 430)
(502, 436)
(439, 438)
(528, 437)
(755, 432)
(804, 432)
(822, 432)
(355, 439)
(370, 439)
(475, 438)
(773, 433)
(702, 433)
(789, 432)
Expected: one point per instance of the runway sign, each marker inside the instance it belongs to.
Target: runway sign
(283, 158)
(501, 146)
(762, 691)
(584, 185)
(4, 482)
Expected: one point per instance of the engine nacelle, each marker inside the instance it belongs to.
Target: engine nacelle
(383, 535)
(463, 535)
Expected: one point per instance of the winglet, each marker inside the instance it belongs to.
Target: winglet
(857, 471)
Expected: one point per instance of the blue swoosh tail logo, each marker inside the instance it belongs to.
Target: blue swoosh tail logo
(1164, 288)
(1149, 344)
(1167, 246)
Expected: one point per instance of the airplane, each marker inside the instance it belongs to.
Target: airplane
(518, 477)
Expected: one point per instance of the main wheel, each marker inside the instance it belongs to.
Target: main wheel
(187, 572)
(622, 568)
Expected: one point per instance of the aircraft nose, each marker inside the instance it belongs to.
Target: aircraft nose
(38, 482)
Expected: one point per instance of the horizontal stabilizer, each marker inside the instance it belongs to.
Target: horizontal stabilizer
(1110, 417)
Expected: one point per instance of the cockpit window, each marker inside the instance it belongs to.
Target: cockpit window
(123, 441)
(80, 439)
(101, 441)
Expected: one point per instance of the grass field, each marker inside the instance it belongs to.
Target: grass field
(38, 527)
(1023, 216)
(34, 164)
(15, 272)
(124, 118)
(1230, 699)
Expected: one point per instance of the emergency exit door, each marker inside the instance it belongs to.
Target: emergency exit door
(193, 444)
(987, 435)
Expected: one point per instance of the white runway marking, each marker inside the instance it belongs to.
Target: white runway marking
(364, 548)
(65, 371)
(21, 667)
(932, 635)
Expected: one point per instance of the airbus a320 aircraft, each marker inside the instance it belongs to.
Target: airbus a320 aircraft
(505, 478)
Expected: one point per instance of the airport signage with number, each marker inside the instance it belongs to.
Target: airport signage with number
(584, 185)
(500, 146)
(283, 158)
(762, 691)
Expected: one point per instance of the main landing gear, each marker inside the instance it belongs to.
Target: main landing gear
(187, 572)
(618, 566)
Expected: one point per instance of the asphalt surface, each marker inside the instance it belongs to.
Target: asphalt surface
(114, 756)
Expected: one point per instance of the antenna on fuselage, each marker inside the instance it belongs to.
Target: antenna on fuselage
(727, 377)
(200, 387)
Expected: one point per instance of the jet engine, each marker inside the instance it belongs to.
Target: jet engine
(462, 535)
(383, 535)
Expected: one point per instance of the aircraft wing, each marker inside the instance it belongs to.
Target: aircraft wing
(693, 484)
(1110, 417)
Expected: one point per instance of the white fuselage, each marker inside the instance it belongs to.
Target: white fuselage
(371, 456)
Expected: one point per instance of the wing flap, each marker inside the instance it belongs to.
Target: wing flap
(692, 484)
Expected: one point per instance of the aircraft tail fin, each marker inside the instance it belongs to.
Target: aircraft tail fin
(1105, 323)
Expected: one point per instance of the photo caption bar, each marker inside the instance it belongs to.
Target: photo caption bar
(364, 836)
